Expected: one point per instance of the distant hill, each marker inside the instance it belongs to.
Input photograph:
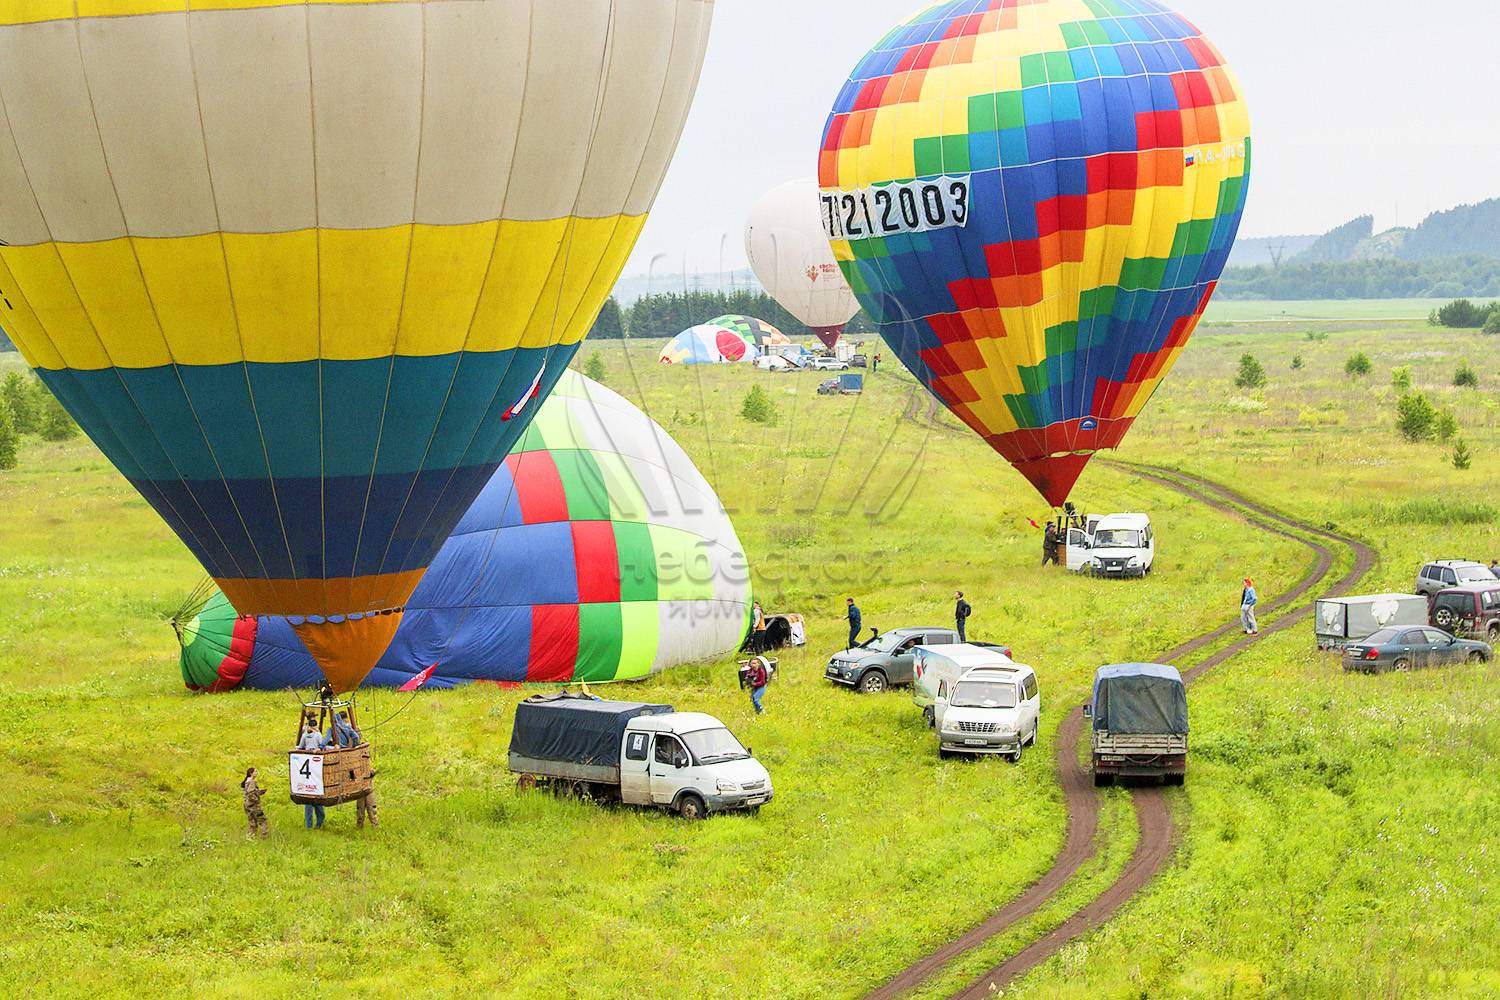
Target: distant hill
(1339, 243)
(1253, 252)
(1467, 229)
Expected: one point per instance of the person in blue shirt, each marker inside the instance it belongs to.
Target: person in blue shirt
(343, 732)
(1248, 600)
(312, 740)
(854, 623)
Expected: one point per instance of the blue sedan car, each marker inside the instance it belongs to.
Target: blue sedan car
(1410, 648)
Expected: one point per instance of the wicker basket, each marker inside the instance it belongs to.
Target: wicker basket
(346, 775)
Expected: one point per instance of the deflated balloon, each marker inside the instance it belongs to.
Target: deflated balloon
(1034, 201)
(789, 253)
(304, 270)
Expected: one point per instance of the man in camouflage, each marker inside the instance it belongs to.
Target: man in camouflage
(259, 825)
(365, 806)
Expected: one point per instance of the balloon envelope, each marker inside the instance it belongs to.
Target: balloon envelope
(790, 255)
(1033, 201)
(597, 552)
(301, 270)
(708, 344)
(757, 331)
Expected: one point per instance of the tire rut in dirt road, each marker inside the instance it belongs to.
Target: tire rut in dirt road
(1156, 843)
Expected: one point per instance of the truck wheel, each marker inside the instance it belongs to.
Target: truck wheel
(1032, 741)
(873, 682)
(1103, 780)
(1443, 618)
(1476, 657)
(929, 716)
(943, 754)
(526, 783)
(690, 806)
(1176, 779)
(1402, 665)
(1015, 758)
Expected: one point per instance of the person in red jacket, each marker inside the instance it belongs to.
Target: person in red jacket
(758, 677)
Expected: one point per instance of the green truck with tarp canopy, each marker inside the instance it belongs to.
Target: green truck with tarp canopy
(1139, 723)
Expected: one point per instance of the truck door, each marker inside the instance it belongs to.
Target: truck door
(898, 668)
(1078, 550)
(635, 769)
(666, 776)
(940, 704)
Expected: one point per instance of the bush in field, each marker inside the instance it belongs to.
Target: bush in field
(1252, 374)
(1316, 336)
(1492, 325)
(1297, 364)
(1415, 417)
(55, 423)
(1445, 427)
(758, 407)
(1466, 376)
(1401, 378)
(1460, 314)
(7, 436)
(1461, 457)
(594, 367)
(1358, 365)
(23, 393)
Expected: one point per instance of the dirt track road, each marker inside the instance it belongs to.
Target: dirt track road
(1157, 842)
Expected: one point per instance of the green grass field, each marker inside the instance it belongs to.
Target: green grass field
(1222, 310)
(1338, 833)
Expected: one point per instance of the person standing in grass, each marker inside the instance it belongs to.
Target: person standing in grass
(758, 677)
(364, 807)
(961, 612)
(1049, 544)
(757, 629)
(854, 623)
(1248, 600)
(254, 813)
(312, 740)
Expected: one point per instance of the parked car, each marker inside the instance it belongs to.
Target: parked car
(1412, 648)
(989, 710)
(1139, 723)
(859, 361)
(1119, 545)
(824, 363)
(829, 387)
(1443, 573)
(888, 659)
(639, 754)
(1338, 621)
(938, 667)
(1471, 610)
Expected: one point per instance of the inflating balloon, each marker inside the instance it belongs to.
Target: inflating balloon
(789, 253)
(1033, 200)
(708, 344)
(303, 270)
(597, 552)
(757, 331)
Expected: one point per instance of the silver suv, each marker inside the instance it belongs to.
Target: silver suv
(1444, 573)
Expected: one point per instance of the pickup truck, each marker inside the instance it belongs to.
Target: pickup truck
(1139, 723)
(885, 660)
(636, 753)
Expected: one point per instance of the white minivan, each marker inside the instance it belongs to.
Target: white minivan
(936, 668)
(989, 710)
(1119, 545)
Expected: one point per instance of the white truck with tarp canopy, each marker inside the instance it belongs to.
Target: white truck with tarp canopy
(1338, 621)
(1139, 723)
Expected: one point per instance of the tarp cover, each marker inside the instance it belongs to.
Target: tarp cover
(575, 728)
(1140, 698)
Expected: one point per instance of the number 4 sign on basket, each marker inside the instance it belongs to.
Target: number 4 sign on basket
(307, 773)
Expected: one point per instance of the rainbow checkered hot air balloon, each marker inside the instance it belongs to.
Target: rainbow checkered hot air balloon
(1033, 200)
(303, 269)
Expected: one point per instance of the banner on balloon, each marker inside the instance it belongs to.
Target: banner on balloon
(901, 209)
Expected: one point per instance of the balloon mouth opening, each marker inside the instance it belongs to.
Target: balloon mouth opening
(1070, 454)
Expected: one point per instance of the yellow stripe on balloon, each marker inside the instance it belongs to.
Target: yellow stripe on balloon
(337, 294)
(33, 11)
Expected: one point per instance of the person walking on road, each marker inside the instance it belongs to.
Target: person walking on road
(961, 612)
(254, 813)
(1248, 600)
(758, 677)
(854, 623)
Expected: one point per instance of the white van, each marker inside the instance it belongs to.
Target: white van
(936, 668)
(1119, 545)
(990, 710)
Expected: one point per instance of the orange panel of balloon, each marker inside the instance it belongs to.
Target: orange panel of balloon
(304, 271)
(1033, 200)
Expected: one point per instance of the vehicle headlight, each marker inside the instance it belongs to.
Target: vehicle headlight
(727, 786)
(951, 725)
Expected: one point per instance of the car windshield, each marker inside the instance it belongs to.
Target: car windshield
(712, 745)
(1117, 538)
(1474, 574)
(984, 694)
(1385, 635)
(887, 642)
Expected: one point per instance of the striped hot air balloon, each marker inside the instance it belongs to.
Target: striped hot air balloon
(300, 268)
(1034, 199)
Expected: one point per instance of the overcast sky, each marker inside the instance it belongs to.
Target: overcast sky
(1356, 106)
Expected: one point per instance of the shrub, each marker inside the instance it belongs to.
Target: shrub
(1297, 364)
(1492, 325)
(1401, 378)
(1445, 428)
(758, 407)
(1358, 365)
(1316, 336)
(1460, 314)
(1415, 416)
(56, 424)
(1252, 374)
(22, 393)
(1461, 457)
(594, 367)
(7, 436)
(1466, 376)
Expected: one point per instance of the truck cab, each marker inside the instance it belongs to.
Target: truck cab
(1118, 545)
(691, 764)
(989, 710)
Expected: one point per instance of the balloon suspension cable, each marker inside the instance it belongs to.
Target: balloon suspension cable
(196, 600)
(397, 712)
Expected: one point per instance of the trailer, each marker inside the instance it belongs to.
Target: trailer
(1338, 621)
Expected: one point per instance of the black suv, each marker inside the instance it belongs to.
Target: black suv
(1471, 610)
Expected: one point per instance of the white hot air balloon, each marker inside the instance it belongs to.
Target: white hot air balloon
(790, 254)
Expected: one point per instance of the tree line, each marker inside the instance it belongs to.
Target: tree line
(1436, 278)
(666, 314)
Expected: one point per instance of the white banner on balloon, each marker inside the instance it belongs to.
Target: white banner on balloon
(306, 774)
(896, 209)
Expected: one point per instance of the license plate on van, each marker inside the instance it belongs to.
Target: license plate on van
(755, 801)
(974, 743)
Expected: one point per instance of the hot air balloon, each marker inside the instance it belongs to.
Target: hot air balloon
(760, 333)
(708, 344)
(303, 270)
(789, 253)
(597, 552)
(1033, 201)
